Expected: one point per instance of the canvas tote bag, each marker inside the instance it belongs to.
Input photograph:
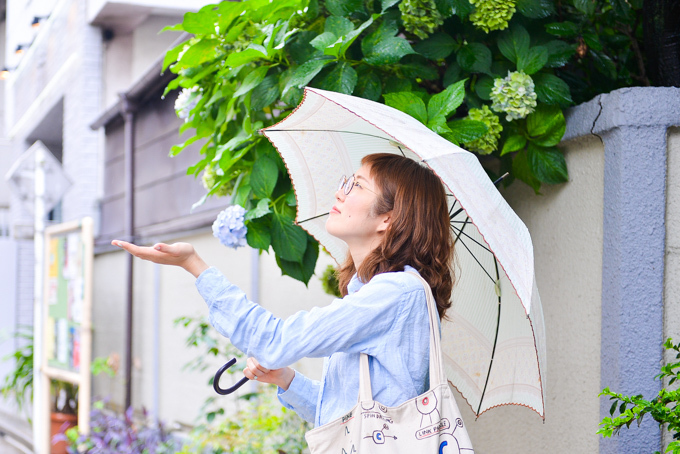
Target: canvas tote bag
(429, 424)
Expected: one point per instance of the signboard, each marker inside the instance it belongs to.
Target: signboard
(67, 305)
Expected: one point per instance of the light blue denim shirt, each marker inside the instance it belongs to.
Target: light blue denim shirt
(386, 318)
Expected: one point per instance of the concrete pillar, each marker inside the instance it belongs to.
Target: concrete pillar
(632, 124)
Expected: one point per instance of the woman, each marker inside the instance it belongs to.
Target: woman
(392, 213)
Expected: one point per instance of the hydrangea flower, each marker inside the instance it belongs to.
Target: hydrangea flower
(186, 100)
(514, 95)
(488, 143)
(229, 227)
(492, 14)
(210, 178)
(420, 17)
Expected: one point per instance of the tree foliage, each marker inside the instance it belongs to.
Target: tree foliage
(490, 75)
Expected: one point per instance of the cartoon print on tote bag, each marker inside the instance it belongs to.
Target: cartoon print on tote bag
(431, 423)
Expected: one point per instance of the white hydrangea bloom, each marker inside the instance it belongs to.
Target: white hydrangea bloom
(514, 95)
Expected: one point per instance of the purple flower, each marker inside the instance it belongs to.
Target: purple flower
(229, 227)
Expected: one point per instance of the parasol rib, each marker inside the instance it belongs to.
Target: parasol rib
(495, 340)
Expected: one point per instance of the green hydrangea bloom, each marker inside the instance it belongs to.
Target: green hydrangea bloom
(489, 142)
(420, 17)
(514, 95)
(209, 179)
(492, 14)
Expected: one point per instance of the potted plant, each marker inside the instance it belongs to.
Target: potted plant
(19, 382)
(64, 412)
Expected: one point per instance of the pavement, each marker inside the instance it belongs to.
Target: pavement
(16, 436)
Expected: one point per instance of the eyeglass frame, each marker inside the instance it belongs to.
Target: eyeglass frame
(350, 182)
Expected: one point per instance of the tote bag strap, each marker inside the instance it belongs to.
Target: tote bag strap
(437, 375)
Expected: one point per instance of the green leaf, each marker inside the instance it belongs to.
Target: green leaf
(535, 9)
(515, 142)
(592, 40)
(483, 87)
(559, 53)
(264, 94)
(304, 74)
(171, 55)
(462, 8)
(368, 86)
(353, 35)
(548, 164)
(199, 52)
(442, 104)
(533, 60)
(475, 57)
(465, 130)
(409, 103)
(564, 29)
(523, 172)
(385, 4)
(603, 64)
(587, 7)
(258, 235)
(452, 74)
(551, 90)
(289, 241)
(201, 23)
(388, 51)
(437, 46)
(514, 43)
(324, 40)
(344, 7)
(304, 270)
(546, 125)
(338, 26)
(252, 80)
(260, 210)
(341, 79)
(247, 55)
(264, 176)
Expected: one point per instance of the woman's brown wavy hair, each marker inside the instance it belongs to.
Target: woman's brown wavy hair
(419, 232)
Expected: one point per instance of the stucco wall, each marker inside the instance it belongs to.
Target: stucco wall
(565, 223)
(182, 392)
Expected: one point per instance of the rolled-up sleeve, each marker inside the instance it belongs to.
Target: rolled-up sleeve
(345, 325)
(301, 396)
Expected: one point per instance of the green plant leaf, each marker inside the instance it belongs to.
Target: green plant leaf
(199, 52)
(304, 74)
(264, 94)
(515, 142)
(603, 63)
(288, 240)
(409, 103)
(247, 55)
(547, 164)
(452, 74)
(264, 177)
(462, 8)
(559, 53)
(442, 104)
(475, 57)
(252, 80)
(533, 60)
(514, 43)
(464, 130)
(552, 90)
(261, 209)
(200, 23)
(587, 7)
(354, 34)
(437, 46)
(546, 125)
(523, 172)
(385, 4)
(341, 79)
(304, 269)
(344, 7)
(258, 235)
(325, 40)
(368, 85)
(338, 26)
(388, 51)
(535, 9)
(483, 87)
(566, 29)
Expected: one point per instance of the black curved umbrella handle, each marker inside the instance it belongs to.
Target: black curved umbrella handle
(218, 375)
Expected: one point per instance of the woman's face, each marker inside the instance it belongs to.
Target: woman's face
(350, 218)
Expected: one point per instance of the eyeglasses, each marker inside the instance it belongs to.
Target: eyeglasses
(347, 184)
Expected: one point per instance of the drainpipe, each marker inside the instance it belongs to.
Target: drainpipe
(128, 113)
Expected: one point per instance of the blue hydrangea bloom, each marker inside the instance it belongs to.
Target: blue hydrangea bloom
(229, 227)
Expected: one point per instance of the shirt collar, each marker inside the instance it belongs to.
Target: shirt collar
(355, 283)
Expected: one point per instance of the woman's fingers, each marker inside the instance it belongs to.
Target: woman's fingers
(255, 369)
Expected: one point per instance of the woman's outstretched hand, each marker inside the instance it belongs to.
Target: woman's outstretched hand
(280, 377)
(178, 254)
